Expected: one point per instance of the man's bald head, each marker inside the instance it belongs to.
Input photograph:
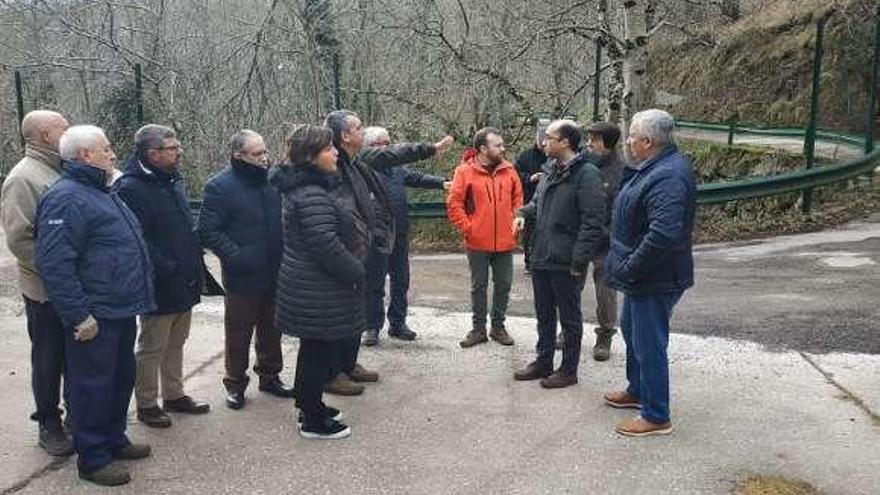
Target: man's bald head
(43, 128)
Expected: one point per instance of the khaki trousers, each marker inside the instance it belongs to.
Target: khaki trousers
(159, 352)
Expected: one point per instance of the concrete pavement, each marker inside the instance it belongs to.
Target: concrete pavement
(447, 420)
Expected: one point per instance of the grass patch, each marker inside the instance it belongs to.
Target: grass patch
(774, 485)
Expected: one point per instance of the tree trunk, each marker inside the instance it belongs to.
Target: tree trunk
(635, 39)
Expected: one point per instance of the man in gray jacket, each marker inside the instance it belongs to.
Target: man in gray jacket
(22, 190)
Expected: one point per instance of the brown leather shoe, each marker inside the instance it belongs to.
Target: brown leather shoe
(559, 379)
(621, 399)
(499, 334)
(641, 427)
(361, 374)
(474, 337)
(342, 385)
(532, 371)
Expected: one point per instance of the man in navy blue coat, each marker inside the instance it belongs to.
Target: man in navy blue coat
(396, 265)
(651, 262)
(154, 190)
(98, 275)
(240, 222)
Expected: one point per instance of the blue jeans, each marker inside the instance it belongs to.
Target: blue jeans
(100, 375)
(47, 361)
(558, 291)
(644, 322)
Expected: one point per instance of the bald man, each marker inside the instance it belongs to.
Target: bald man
(22, 190)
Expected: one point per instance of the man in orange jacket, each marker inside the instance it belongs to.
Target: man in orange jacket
(485, 194)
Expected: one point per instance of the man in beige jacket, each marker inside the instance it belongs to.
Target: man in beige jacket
(21, 194)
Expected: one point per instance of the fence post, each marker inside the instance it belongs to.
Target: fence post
(870, 128)
(19, 104)
(597, 77)
(731, 130)
(139, 93)
(810, 134)
(337, 98)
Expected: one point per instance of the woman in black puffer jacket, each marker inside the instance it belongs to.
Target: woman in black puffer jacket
(320, 283)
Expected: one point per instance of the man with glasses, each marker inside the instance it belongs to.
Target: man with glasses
(154, 190)
(240, 222)
(570, 230)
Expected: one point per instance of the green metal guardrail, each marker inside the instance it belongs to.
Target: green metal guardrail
(753, 187)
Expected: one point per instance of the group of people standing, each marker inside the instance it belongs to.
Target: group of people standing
(584, 206)
(305, 249)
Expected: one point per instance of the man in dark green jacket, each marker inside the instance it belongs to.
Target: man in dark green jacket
(570, 230)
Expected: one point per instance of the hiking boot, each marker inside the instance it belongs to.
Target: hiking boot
(370, 338)
(641, 427)
(474, 337)
(602, 349)
(332, 413)
(326, 429)
(402, 333)
(186, 405)
(532, 371)
(342, 385)
(154, 417)
(499, 334)
(113, 474)
(133, 451)
(559, 379)
(360, 374)
(621, 399)
(54, 441)
(560, 341)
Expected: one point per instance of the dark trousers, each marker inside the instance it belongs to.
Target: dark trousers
(644, 322)
(100, 379)
(558, 291)
(374, 292)
(502, 279)
(316, 364)
(243, 314)
(47, 361)
(398, 274)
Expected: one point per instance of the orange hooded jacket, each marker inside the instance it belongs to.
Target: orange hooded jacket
(482, 204)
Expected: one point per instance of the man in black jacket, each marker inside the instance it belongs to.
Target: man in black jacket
(362, 194)
(528, 167)
(240, 222)
(153, 188)
(395, 266)
(570, 230)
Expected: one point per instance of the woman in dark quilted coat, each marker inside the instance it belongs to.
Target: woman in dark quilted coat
(320, 283)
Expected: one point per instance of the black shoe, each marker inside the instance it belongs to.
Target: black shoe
(133, 451)
(113, 474)
(402, 333)
(186, 405)
(370, 338)
(235, 400)
(154, 417)
(327, 429)
(332, 413)
(54, 441)
(277, 388)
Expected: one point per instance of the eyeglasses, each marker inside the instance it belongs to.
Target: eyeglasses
(163, 148)
(548, 137)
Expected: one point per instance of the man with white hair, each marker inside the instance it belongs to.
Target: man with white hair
(22, 190)
(396, 265)
(651, 262)
(97, 272)
(569, 212)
